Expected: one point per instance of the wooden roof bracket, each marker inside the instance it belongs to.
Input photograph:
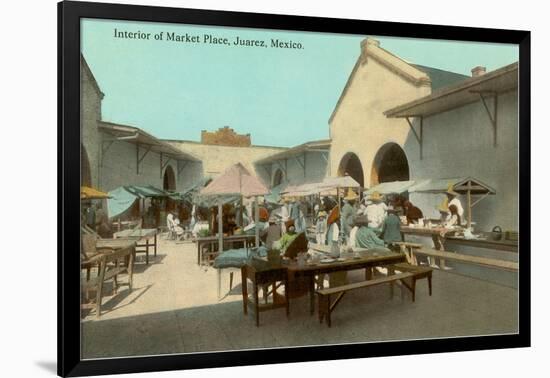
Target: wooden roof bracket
(492, 115)
(139, 159)
(105, 145)
(419, 135)
(300, 163)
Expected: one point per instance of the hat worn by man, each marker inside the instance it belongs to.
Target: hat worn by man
(375, 196)
(444, 206)
(351, 195)
(451, 191)
(322, 213)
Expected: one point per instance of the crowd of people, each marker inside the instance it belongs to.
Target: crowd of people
(375, 221)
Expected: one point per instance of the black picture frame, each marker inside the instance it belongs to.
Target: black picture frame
(69, 359)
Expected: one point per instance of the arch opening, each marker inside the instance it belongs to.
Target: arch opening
(169, 180)
(278, 177)
(350, 165)
(390, 164)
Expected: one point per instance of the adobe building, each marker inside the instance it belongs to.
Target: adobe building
(468, 129)
(397, 121)
(301, 164)
(218, 150)
(113, 155)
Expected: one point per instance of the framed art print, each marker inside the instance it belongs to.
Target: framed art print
(241, 188)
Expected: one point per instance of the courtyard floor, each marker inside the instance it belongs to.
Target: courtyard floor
(174, 308)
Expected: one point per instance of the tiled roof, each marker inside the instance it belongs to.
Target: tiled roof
(441, 78)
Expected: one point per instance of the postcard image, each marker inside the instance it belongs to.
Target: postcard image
(245, 189)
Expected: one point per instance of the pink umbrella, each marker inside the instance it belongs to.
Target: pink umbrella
(236, 180)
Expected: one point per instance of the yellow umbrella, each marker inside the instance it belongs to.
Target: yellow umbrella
(87, 193)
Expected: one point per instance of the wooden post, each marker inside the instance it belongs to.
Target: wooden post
(241, 215)
(339, 214)
(220, 227)
(469, 207)
(256, 221)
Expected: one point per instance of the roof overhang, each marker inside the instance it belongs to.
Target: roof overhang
(314, 146)
(135, 135)
(503, 80)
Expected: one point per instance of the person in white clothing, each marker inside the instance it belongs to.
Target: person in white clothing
(376, 211)
(321, 227)
(452, 198)
(352, 237)
(285, 214)
(173, 224)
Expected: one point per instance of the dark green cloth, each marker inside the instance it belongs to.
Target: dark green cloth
(391, 229)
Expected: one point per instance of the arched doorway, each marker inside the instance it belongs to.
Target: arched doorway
(278, 178)
(351, 165)
(85, 172)
(169, 181)
(390, 164)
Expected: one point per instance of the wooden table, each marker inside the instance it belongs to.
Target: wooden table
(367, 261)
(213, 241)
(438, 235)
(109, 267)
(264, 277)
(142, 237)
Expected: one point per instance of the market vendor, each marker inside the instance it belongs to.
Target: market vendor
(412, 213)
(333, 233)
(348, 212)
(366, 236)
(376, 211)
(272, 233)
(288, 236)
(452, 198)
(391, 228)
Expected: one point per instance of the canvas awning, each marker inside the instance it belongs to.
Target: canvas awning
(120, 201)
(339, 182)
(148, 191)
(460, 185)
(123, 197)
(88, 193)
(192, 191)
(393, 187)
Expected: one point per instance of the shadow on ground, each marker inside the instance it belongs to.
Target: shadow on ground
(460, 306)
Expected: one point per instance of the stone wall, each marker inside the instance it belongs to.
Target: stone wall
(460, 143)
(216, 159)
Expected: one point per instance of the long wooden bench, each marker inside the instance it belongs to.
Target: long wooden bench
(326, 306)
(483, 261)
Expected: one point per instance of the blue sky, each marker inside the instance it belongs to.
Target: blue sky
(282, 97)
